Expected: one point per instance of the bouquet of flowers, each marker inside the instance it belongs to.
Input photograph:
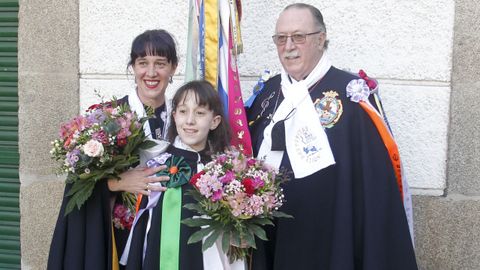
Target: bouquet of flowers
(100, 144)
(236, 195)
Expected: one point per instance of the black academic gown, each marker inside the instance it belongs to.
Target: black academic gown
(191, 257)
(346, 216)
(83, 238)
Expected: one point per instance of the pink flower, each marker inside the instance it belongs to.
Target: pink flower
(251, 162)
(239, 164)
(93, 148)
(100, 136)
(217, 195)
(258, 183)
(228, 177)
(221, 159)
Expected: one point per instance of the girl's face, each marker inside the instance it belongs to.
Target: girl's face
(194, 122)
(151, 75)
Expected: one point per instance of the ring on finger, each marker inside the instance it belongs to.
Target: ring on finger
(147, 187)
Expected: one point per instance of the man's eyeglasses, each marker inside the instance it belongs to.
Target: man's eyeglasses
(298, 38)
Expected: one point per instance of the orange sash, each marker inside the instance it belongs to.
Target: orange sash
(388, 140)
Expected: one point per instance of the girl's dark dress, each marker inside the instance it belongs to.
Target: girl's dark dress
(191, 257)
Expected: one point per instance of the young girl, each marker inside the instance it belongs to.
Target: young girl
(198, 130)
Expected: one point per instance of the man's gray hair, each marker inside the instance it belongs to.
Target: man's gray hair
(317, 16)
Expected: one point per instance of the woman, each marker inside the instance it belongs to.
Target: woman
(83, 238)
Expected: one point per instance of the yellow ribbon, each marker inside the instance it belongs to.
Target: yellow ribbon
(211, 41)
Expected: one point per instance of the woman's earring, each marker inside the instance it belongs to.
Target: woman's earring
(171, 79)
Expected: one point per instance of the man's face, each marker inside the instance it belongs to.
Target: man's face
(299, 59)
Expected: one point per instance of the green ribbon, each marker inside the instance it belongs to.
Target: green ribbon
(179, 173)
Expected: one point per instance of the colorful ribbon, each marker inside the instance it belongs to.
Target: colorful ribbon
(179, 173)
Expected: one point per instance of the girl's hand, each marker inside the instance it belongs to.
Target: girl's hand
(139, 181)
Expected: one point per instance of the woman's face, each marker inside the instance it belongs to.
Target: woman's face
(152, 74)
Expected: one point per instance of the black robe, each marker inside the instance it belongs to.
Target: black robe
(83, 238)
(346, 216)
(191, 257)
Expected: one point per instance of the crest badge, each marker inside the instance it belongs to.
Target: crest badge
(329, 108)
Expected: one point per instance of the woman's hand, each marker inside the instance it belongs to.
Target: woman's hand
(139, 181)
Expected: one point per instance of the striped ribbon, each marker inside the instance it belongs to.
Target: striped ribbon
(214, 42)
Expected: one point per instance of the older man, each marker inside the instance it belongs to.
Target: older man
(314, 120)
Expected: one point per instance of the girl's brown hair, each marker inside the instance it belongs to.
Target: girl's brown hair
(205, 95)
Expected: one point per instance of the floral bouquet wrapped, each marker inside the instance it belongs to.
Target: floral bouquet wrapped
(236, 195)
(100, 144)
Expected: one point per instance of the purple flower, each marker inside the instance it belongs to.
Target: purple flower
(96, 116)
(217, 195)
(258, 182)
(221, 159)
(73, 157)
(228, 177)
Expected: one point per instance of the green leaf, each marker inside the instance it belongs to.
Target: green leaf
(279, 214)
(226, 241)
(262, 221)
(258, 231)
(79, 197)
(71, 178)
(200, 234)
(193, 207)
(236, 238)
(147, 144)
(197, 222)
(211, 239)
(250, 239)
(112, 127)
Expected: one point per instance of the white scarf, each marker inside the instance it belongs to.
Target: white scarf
(306, 142)
(137, 106)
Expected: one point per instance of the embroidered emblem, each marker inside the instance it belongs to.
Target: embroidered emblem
(329, 109)
(305, 145)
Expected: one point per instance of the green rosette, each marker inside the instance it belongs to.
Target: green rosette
(179, 173)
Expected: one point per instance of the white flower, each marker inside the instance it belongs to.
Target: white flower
(358, 90)
(93, 148)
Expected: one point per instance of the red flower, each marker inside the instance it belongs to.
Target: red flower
(122, 142)
(372, 84)
(249, 185)
(194, 179)
(94, 107)
(362, 73)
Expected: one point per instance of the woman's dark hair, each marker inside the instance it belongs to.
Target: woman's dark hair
(154, 42)
(205, 95)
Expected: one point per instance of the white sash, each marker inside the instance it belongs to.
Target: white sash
(306, 142)
(137, 106)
